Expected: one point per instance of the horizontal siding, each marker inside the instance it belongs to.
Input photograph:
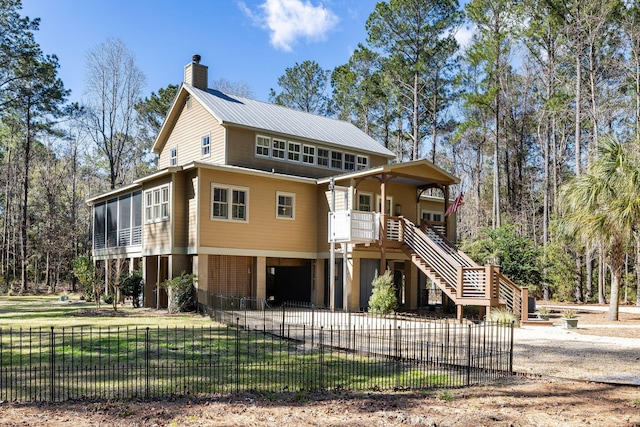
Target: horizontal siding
(263, 231)
(192, 124)
(192, 212)
(218, 142)
(157, 235)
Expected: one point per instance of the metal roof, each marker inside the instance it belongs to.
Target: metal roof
(259, 115)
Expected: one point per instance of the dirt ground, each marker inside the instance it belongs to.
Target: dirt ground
(534, 399)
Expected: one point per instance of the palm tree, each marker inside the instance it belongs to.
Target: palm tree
(603, 206)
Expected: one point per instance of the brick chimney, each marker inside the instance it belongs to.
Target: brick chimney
(196, 74)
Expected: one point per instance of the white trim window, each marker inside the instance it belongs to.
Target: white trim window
(349, 162)
(388, 204)
(285, 204)
(293, 151)
(363, 162)
(173, 156)
(229, 203)
(323, 157)
(205, 144)
(157, 204)
(263, 146)
(279, 149)
(309, 154)
(364, 202)
(336, 159)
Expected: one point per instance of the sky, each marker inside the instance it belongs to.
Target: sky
(249, 41)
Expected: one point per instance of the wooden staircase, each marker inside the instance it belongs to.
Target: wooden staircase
(459, 277)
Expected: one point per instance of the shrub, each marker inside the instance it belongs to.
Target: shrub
(107, 298)
(503, 315)
(84, 270)
(383, 298)
(131, 286)
(182, 292)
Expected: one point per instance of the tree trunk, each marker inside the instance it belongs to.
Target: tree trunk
(416, 123)
(496, 169)
(578, 114)
(602, 297)
(637, 236)
(614, 303)
(25, 199)
(589, 274)
(578, 279)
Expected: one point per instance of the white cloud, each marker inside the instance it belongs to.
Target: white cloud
(464, 36)
(289, 20)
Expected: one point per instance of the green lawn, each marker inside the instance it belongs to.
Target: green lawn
(97, 353)
(48, 310)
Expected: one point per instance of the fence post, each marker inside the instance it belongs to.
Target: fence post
(146, 362)
(511, 352)
(398, 355)
(237, 355)
(53, 358)
(283, 309)
(321, 367)
(469, 355)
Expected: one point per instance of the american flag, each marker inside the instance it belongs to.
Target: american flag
(455, 205)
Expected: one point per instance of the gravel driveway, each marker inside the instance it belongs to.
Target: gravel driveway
(598, 350)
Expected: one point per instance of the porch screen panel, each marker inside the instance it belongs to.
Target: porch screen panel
(99, 223)
(112, 223)
(136, 218)
(124, 221)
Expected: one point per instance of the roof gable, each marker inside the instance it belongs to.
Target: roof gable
(259, 115)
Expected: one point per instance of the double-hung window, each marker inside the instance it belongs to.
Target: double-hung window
(173, 158)
(285, 205)
(205, 145)
(157, 204)
(279, 149)
(293, 151)
(364, 202)
(229, 203)
(263, 146)
(309, 154)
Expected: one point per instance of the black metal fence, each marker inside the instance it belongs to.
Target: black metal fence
(105, 363)
(260, 348)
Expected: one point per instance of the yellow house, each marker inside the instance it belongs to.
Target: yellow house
(266, 202)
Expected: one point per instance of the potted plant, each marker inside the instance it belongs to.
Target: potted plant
(543, 313)
(570, 319)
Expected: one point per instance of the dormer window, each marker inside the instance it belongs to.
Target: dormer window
(263, 146)
(294, 152)
(349, 162)
(206, 146)
(279, 149)
(323, 157)
(309, 154)
(336, 160)
(363, 162)
(173, 158)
